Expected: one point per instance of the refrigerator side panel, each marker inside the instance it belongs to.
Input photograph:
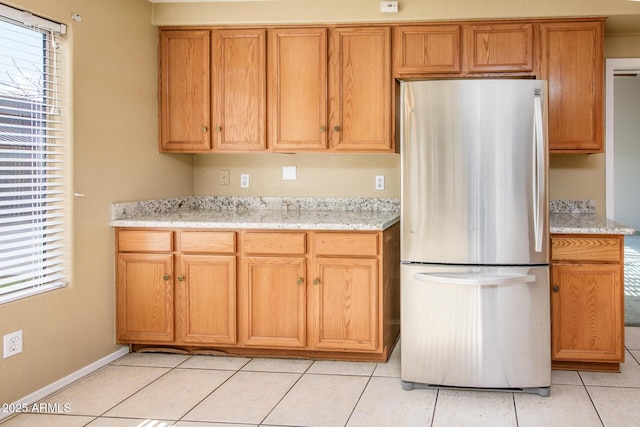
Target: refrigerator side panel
(485, 335)
(469, 172)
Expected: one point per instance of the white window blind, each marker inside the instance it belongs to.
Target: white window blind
(33, 171)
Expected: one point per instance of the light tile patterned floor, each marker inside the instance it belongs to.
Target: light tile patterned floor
(159, 390)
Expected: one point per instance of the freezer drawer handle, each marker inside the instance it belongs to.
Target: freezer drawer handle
(475, 278)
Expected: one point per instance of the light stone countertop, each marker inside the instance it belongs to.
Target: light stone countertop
(579, 217)
(571, 223)
(269, 213)
(285, 213)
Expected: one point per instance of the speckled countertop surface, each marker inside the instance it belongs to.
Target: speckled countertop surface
(579, 217)
(277, 213)
(287, 213)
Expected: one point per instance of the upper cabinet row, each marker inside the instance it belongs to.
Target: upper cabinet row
(568, 54)
(286, 90)
(332, 89)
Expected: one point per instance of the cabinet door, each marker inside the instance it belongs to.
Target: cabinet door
(420, 49)
(344, 306)
(144, 297)
(206, 299)
(184, 91)
(499, 48)
(572, 61)
(274, 301)
(360, 89)
(298, 89)
(239, 90)
(587, 313)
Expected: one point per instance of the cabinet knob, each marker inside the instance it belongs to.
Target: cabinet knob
(181, 278)
(166, 277)
(316, 281)
(204, 129)
(336, 128)
(323, 128)
(556, 289)
(300, 280)
(218, 128)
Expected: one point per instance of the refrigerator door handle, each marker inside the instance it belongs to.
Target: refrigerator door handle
(474, 278)
(539, 167)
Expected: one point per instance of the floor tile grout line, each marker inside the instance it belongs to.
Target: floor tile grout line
(212, 391)
(360, 397)
(302, 374)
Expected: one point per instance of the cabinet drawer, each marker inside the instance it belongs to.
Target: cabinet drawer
(207, 242)
(145, 241)
(275, 243)
(589, 249)
(346, 244)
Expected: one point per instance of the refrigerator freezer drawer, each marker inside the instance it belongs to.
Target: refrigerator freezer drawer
(476, 327)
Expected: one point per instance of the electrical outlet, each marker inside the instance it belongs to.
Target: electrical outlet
(224, 176)
(379, 182)
(12, 344)
(244, 180)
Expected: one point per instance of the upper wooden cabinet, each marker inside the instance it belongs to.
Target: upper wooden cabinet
(330, 89)
(463, 49)
(503, 48)
(239, 90)
(297, 69)
(212, 90)
(571, 59)
(184, 91)
(360, 89)
(426, 49)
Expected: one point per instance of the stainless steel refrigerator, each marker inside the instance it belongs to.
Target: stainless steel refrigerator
(474, 235)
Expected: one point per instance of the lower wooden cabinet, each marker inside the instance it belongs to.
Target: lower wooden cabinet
(168, 296)
(587, 302)
(303, 293)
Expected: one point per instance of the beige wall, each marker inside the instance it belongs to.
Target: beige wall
(114, 139)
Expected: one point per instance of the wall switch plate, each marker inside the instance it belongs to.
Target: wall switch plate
(289, 173)
(389, 6)
(224, 177)
(244, 180)
(379, 182)
(12, 344)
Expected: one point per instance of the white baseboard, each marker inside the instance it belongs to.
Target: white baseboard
(69, 379)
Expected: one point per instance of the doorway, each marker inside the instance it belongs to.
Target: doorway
(622, 174)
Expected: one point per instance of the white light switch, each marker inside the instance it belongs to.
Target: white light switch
(379, 182)
(288, 173)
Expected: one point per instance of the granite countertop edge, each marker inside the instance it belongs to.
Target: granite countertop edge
(291, 213)
(579, 217)
(268, 213)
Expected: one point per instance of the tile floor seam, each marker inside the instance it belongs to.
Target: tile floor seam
(210, 393)
(261, 423)
(595, 408)
(358, 400)
(515, 408)
(435, 405)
